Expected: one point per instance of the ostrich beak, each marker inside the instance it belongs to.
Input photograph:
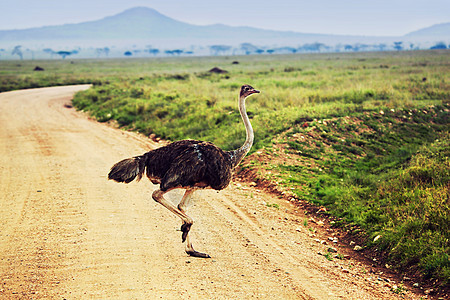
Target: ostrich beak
(255, 91)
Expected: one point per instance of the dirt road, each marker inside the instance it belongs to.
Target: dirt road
(66, 232)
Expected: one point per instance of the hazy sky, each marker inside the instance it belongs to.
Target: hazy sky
(356, 17)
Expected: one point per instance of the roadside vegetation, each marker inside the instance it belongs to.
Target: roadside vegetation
(365, 135)
(384, 176)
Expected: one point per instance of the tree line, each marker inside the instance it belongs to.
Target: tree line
(216, 50)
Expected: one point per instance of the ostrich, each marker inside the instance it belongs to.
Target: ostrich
(189, 165)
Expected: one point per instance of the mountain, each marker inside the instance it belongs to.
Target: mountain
(438, 30)
(139, 27)
(146, 25)
(139, 23)
(133, 23)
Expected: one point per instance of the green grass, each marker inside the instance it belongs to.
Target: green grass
(387, 174)
(364, 134)
(415, 204)
(196, 104)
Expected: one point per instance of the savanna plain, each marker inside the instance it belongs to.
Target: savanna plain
(359, 142)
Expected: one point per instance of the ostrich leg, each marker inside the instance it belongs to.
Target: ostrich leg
(158, 196)
(187, 221)
(184, 203)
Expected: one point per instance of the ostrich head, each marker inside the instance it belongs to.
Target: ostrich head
(247, 90)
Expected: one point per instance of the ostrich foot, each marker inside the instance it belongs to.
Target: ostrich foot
(197, 254)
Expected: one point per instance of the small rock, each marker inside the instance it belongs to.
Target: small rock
(376, 238)
(332, 250)
(416, 285)
(217, 70)
(345, 271)
(357, 248)
(406, 279)
(352, 243)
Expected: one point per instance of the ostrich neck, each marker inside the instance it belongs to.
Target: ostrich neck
(238, 155)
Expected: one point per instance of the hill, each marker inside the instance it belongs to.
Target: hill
(137, 28)
(438, 30)
(143, 23)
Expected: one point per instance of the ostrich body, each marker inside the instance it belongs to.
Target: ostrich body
(189, 165)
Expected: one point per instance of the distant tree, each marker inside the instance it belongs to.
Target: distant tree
(127, 53)
(259, 51)
(177, 51)
(168, 52)
(64, 54)
(286, 50)
(398, 46)
(49, 51)
(248, 48)
(101, 51)
(17, 51)
(219, 49)
(360, 47)
(314, 47)
(153, 51)
(270, 51)
(348, 47)
(440, 45)
(381, 46)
